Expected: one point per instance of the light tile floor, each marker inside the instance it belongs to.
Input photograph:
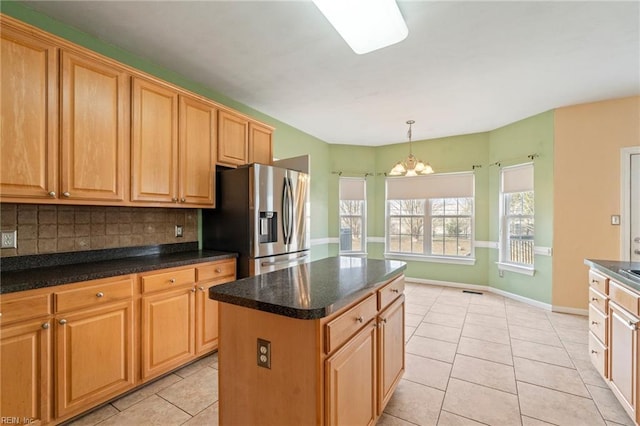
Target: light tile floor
(471, 360)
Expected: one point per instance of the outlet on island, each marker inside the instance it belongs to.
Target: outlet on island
(264, 353)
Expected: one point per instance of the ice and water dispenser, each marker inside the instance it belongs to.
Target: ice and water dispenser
(268, 227)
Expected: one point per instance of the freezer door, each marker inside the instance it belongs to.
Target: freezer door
(267, 215)
(299, 229)
(274, 263)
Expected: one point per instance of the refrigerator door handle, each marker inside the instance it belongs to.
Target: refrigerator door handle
(282, 262)
(291, 211)
(285, 211)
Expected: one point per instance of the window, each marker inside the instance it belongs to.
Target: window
(430, 216)
(517, 218)
(353, 209)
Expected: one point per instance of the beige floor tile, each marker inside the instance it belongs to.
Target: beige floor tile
(550, 376)
(450, 320)
(609, 406)
(413, 320)
(427, 371)
(487, 320)
(579, 322)
(452, 300)
(95, 416)
(540, 352)
(450, 419)
(537, 323)
(430, 348)
(389, 420)
(449, 309)
(572, 335)
(483, 372)
(145, 392)
(194, 367)
(557, 407)
(408, 332)
(488, 299)
(526, 314)
(485, 350)
(411, 308)
(487, 310)
(590, 376)
(532, 335)
(194, 393)
(206, 417)
(438, 332)
(415, 403)
(482, 404)
(487, 333)
(577, 350)
(423, 300)
(529, 421)
(152, 411)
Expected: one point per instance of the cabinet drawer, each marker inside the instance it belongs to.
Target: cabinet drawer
(94, 293)
(25, 307)
(390, 292)
(599, 281)
(598, 323)
(624, 297)
(167, 280)
(598, 354)
(599, 300)
(215, 271)
(346, 325)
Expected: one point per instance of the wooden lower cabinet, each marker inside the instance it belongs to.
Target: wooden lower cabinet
(351, 381)
(391, 359)
(94, 356)
(206, 320)
(623, 357)
(25, 359)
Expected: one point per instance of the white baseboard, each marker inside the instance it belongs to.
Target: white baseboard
(528, 301)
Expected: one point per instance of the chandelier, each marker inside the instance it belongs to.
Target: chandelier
(410, 166)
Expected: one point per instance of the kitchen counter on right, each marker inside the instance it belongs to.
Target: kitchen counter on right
(618, 270)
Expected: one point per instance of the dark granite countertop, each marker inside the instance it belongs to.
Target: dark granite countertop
(309, 291)
(97, 264)
(615, 269)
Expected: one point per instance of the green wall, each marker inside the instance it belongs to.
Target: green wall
(510, 145)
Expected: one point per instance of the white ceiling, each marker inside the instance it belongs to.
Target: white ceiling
(465, 67)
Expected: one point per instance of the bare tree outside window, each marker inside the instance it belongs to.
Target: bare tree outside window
(351, 225)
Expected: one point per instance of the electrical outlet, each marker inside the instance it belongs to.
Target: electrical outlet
(9, 239)
(264, 353)
(179, 231)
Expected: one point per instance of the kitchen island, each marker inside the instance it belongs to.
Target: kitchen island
(320, 343)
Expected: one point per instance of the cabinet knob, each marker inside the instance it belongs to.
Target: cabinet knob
(172, 280)
(359, 319)
(384, 320)
(594, 322)
(52, 194)
(183, 200)
(593, 351)
(193, 290)
(594, 299)
(594, 281)
(633, 324)
(395, 290)
(218, 270)
(100, 294)
(174, 200)
(62, 322)
(66, 194)
(201, 288)
(45, 325)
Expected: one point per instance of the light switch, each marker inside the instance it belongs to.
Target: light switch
(615, 219)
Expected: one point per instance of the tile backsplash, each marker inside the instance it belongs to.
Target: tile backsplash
(55, 228)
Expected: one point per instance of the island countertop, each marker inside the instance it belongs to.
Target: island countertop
(312, 290)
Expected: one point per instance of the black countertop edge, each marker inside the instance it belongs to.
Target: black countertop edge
(614, 269)
(310, 291)
(15, 263)
(31, 279)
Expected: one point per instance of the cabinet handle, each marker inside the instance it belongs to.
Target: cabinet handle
(395, 290)
(52, 194)
(359, 319)
(201, 288)
(174, 200)
(66, 194)
(183, 200)
(633, 324)
(193, 290)
(384, 320)
(218, 270)
(593, 351)
(99, 294)
(172, 280)
(594, 322)
(62, 322)
(594, 299)
(45, 325)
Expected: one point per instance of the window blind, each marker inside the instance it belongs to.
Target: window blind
(517, 178)
(443, 185)
(352, 189)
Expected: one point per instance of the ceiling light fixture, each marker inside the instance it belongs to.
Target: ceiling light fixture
(366, 25)
(410, 166)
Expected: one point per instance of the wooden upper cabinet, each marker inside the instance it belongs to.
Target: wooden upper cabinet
(154, 153)
(260, 144)
(233, 139)
(29, 131)
(197, 146)
(94, 129)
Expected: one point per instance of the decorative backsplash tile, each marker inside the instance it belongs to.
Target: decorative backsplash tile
(54, 228)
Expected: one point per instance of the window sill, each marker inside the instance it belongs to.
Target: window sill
(433, 259)
(352, 253)
(518, 269)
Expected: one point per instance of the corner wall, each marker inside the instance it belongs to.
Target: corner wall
(588, 139)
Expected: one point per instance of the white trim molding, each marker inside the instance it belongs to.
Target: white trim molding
(322, 241)
(543, 251)
(378, 240)
(625, 200)
(433, 259)
(485, 244)
(518, 269)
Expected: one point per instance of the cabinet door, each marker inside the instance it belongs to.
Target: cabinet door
(391, 355)
(260, 144)
(25, 364)
(168, 333)
(95, 142)
(154, 139)
(206, 320)
(623, 358)
(29, 130)
(350, 383)
(233, 140)
(94, 356)
(197, 152)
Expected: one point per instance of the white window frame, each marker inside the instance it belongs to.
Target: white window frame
(504, 263)
(362, 216)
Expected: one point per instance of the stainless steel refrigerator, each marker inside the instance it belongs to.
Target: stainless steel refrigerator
(262, 213)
